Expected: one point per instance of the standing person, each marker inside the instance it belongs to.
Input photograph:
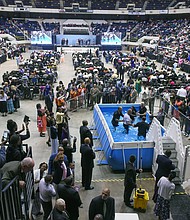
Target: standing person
(59, 122)
(71, 197)
(161, 116)
(68, 149)
(49, 101)
(85, 132)
(165, 190)
(151, 99)
(104, 205)
(130, 180)
(60, 168)
(165, 166)
(16, 168)
(3, 103)
(87, 163)
(10, 106)
(127, 120)
(16, 99)
(38, 175)
(142, 110)
(143, 127)
(138, 85)
(59, 212)
(47, 191)
(116, 117)
(54, 137)
(133, 95)
(49, 117)
(52, 157)
(41, 120)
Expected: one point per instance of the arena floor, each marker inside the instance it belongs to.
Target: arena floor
(102, 175)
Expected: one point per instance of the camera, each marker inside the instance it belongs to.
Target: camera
(5, 135)
(26, 119)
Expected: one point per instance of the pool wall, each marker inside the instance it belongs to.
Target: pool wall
(117, 153)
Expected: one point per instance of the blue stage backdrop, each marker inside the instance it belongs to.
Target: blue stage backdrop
(41, 37)
(75, 40)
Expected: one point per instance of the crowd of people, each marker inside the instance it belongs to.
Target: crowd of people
(94, 83)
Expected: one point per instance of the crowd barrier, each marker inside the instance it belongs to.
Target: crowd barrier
(14, 201)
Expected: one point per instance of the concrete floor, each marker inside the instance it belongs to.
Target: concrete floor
(102, 175)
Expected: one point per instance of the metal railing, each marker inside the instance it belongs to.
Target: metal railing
(154, 134)
(14, 201)
(174, 131)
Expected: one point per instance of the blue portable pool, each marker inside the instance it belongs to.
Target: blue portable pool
(117, 145)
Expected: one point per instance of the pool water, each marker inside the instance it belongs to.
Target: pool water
(119, 135)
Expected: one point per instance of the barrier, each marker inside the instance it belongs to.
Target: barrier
(174, 131)
(154, 134)
(14, 201)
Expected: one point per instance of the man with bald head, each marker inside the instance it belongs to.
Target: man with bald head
(85, 132)
(87, 163)
(104, 205)
(59, 211)
(16, 168)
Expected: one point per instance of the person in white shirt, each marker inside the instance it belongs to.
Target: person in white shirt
(165, 190)
(182, 93)
(127, 120)
(47, 191)
(38, 175)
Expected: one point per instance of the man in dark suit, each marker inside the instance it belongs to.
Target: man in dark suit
(85, 132)
(130, 180)
(87, 163)
(71, 197)
(16, 168)
(104, 205)
(165, 166)
(49, 101)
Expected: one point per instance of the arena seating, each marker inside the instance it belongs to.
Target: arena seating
(103, 5)
(47, 3)
(138, 3)
(27, 25)
(26, 2)
(99, 28)
(123, 27)
(82, 3)
(52, 26)
(7, 26)
(158, 5)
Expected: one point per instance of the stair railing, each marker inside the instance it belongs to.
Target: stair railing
(174, 131)
(154, 134)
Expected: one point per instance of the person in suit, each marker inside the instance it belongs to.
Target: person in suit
(85, 132)
(143, 127)
(116, 117)
(49, 101)
(71, 197)
(165, 166)
(60, 168)
(16, 168)
(130, 180)
(104, 205)
(87, 163)
(59, 211)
